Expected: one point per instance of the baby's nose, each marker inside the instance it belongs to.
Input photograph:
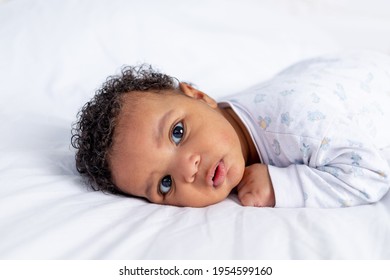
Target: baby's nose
(190, 168)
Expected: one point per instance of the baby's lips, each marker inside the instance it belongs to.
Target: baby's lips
(219, 174)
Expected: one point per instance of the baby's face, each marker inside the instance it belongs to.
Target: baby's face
(176, 149)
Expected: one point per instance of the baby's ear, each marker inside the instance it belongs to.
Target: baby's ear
(197, 94)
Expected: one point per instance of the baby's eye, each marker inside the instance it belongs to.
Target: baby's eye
(166, 184)
(178, 133)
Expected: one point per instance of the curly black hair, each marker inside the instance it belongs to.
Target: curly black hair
(92, 134)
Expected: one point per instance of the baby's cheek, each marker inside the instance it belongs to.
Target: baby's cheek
(230, 138)
(234, 176)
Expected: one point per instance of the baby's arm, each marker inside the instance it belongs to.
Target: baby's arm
(255, 188)
(345, 169)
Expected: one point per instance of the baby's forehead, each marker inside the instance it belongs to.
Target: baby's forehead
(140, 101)
(135, 106)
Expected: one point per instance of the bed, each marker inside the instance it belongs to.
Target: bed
(55, 54)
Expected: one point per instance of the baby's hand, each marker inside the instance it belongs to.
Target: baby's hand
(255, 188)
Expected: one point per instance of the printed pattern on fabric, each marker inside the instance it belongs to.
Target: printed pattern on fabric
(320, 126)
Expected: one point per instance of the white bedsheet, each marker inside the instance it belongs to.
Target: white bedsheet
(54, 54)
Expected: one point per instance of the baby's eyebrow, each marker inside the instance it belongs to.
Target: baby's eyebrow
(149, 187)
(162, 123)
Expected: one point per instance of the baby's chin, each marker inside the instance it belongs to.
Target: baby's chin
(220, 198)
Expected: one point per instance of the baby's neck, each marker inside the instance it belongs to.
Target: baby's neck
(248, 148)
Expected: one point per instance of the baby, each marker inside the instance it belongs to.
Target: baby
(310, 137)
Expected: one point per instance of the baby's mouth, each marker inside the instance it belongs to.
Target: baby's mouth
(219, 174)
